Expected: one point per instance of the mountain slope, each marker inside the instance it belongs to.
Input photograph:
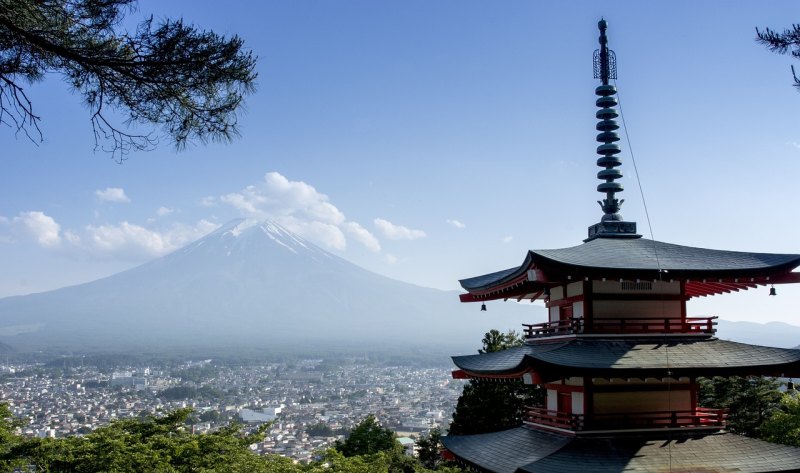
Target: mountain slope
(253, 284)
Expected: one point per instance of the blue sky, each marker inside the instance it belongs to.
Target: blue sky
(435, 140)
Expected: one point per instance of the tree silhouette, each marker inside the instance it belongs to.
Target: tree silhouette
(782, 43)
(489, 406)
(166, 74)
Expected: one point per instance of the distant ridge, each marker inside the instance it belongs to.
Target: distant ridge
(775, 334)
(248, 283)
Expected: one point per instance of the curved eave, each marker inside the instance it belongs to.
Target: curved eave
(778, 274)
(504, 451)
(487, 282)
(631, 358)
(705, 271)
(511, 362)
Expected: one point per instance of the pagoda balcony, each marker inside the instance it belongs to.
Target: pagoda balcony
(701, 419)
(625, 326)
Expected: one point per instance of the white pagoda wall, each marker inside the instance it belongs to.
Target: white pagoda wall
(645, 309)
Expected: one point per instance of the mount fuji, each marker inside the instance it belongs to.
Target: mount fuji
(247, 284)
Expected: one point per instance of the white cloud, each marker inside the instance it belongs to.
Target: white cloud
(112, 194)
(325, 234)
(287, 196)
(397, 232)
(363, 236)
(247, 202)
(164, 211)
(131, 241)
(390, 258)
(299, 207)
(42, 227)
(72, 237)
(4, 224)
(507, 239)
(208, 201)
(456, 223)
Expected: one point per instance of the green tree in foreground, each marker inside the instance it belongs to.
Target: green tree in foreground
(8, 439)
(429, 449)
(750, 401)
(186, 81)
(784, 425)
(487, 406)
(150, 444)
(366, 438)
(165, 445)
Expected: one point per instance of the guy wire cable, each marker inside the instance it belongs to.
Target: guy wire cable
(658, 261)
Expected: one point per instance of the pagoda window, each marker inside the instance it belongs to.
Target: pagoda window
(636, 287)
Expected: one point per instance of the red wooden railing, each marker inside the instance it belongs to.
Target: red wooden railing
(706, 325)
(700, 418)
(561, 420)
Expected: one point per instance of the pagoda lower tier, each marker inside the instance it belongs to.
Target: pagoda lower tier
(528, 450)
(622, 403)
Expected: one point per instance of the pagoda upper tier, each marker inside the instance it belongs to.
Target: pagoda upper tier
(702, 271)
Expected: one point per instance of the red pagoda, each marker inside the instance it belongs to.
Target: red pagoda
(619, 356)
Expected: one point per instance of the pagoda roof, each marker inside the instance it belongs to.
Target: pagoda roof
(636, 258)
(632, 358)
(527, 450)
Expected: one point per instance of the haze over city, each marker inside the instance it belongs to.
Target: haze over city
(430, 142)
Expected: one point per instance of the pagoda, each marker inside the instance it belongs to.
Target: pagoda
(619, 357)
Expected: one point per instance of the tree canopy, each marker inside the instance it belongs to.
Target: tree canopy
(750, 401)
(164, 444)
(165, 73)
(366, 438)
(784, 425)
(486, 406)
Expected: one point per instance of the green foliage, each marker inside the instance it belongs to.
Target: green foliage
(164, 445)
(429, 449)
(210, 416)
(494, 340)
(160, 444)
(165, 73)
(750, 401)
(176, 393)
(487, 406)
(366, 438)
(197, 374)
(784, 424)
(8, 438)
(320, 430)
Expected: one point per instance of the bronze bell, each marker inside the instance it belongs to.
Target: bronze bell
(772, 291)
(483, 307)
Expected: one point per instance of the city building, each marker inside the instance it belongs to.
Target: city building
(619, 356)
